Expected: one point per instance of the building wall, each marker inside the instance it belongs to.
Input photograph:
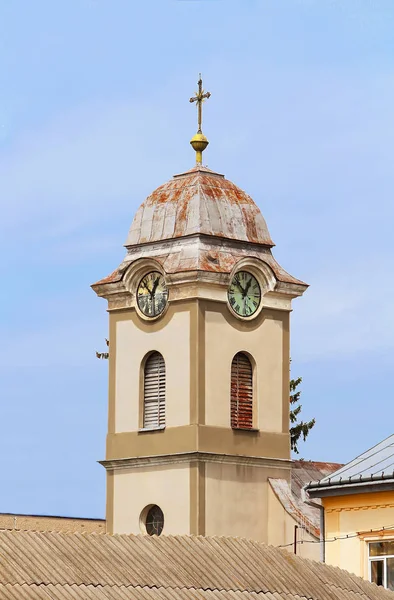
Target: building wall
(237, 500)
(198, 339)
(167, 486)
(266, 341)
(358, 513)
(281, 530)
(176, 335)
(133, 343)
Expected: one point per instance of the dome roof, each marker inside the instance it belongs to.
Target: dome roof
(198, 201)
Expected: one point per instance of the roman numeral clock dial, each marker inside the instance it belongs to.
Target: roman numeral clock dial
(152, 294)
(244, 294)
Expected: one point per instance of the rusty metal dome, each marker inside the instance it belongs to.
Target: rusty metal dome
(199, 201)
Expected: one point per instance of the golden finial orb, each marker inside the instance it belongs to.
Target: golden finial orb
(199, 142)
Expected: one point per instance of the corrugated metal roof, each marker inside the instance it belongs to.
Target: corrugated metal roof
(199, 201)
(374, 465)
(64, 566)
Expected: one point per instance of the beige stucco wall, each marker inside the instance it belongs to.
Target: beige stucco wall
(132, 345)
(166, 486)
(347, 515)
(198, 340)
(281, 530)
(237, 500)
(265, 345)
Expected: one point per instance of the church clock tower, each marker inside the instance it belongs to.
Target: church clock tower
(199, 310)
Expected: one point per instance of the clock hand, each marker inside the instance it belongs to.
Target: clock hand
(237, 283)
(248, 286)
(155, 285)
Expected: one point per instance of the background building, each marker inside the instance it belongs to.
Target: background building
(358, 502)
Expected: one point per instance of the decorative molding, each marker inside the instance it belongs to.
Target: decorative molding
(196, 258)
(376, 536)
(357, 508)
(120, 464)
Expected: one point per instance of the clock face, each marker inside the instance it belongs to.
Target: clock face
(244, 294)
(152, 294)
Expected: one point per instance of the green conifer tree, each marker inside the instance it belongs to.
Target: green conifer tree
(297, 428)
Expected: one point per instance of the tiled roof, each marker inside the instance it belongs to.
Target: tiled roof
(375, 466)
(66, 566)
(289, 495)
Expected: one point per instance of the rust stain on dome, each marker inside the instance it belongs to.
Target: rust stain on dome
(199, 201)
(111, 278)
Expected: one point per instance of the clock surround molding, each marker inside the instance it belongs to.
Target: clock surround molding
(133, 277)
(265, 278)
(139, 308)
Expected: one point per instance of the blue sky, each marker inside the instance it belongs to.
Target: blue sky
(94, 115)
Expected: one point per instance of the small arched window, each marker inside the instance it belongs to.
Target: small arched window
(241, 392)
(154, 391)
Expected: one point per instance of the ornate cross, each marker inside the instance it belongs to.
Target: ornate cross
(199, 98)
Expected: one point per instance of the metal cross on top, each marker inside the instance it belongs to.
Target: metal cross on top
(199, 98)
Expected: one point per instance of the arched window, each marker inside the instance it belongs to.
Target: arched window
(241, 392)
(154, 391)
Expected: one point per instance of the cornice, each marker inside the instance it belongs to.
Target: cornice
(348, 489)
(121, 464)
(201, 258)
(363, 507)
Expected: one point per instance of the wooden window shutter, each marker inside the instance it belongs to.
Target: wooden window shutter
(154, 391)
(241, 392)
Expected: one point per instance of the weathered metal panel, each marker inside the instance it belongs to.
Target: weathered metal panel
(198, 203)
(159, 217)
(205, 203)
(146, 224)
(289, 494)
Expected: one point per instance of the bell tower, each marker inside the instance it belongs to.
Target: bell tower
(199, 309)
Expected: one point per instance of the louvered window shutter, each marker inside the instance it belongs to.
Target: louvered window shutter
(241, 392)
(154, 391)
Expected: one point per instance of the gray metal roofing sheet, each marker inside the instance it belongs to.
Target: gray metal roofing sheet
(377, 462)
